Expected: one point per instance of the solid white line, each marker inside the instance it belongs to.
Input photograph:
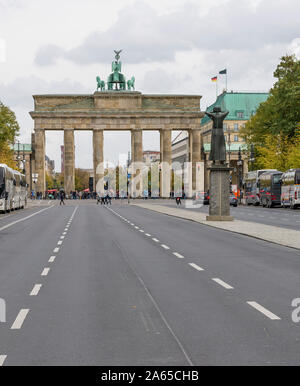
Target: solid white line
(157, 241)
(52, 258)
(55, 250)
(196, 267)
(264, 311)
(165, 246)
(2, 359)
(148, 234)
(45, 272)
(35, 290)
(23, 219)
(20, 319)
(222, 283)
(59, 243)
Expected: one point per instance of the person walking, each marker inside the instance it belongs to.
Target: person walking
(62, 197)
(178, 200)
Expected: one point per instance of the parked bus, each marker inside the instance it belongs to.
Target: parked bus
(270, 188)
(20, 191)
(13, 192)
(251, 188)
(290, 188)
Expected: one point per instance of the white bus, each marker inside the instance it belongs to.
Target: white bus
(251, 186)
(13, 192)
(290, 188)
(20, 191)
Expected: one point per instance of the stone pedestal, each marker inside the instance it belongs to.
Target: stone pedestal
(219, 206)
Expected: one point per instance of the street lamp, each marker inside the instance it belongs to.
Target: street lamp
(252, 156)
(240, 172)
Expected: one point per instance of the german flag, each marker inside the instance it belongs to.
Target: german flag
(214, 79)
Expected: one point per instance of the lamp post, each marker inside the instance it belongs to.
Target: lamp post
(240, 172)
(252, 156)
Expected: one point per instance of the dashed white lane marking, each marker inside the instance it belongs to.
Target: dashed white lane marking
(2, 359)
(52, 258)
(222, 283)
(20, 319)
(59, 243)
(141, 230)
(165, 246)
(264, 311)
(45, 272)
(148, 234)
(55, 250)
(62, 237)
(64, 233)
(23, 219)
(36, 290)
(154, 239)
(137, 227)
(178, 255)
(196, 267)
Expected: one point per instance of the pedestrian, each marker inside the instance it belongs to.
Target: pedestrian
(178, 200)
(62, 197)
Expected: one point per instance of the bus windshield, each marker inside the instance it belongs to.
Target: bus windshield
(276, 179)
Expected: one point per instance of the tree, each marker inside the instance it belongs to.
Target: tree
(274, 129)
(279, 152)
(9, 129)
(81, 179)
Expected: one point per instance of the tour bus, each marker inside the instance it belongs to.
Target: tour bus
(20, 191)
(290, 188)
(270, 188)
(251, 188)
(12, 189)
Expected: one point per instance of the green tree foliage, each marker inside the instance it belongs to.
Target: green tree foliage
(274, 129)
(9, 129)
(81, 179)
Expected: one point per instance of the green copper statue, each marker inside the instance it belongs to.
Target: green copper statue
(100, 84)
(130, 83)
(116, 78)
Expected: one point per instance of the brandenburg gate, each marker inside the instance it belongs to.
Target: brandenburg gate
(116, 108)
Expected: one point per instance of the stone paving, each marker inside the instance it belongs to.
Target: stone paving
(278, 235)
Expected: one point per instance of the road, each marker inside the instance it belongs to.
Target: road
(278, 217)
(120, 285)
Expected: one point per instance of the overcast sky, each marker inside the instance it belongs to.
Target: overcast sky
(171, 46)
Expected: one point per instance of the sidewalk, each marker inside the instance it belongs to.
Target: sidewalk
(281, 236)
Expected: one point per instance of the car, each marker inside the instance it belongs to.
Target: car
(201, 197)
(233, 200)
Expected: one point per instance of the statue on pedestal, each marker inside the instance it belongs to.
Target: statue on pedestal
(218, 146)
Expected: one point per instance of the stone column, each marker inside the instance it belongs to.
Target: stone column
(197, 164)
(69, 178)
(39, 144)
(166, 162)
(98, 161)
(137, 159)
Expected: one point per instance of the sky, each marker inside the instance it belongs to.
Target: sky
(170, 46)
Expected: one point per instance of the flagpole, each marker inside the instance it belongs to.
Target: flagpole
(217, 89)
(226, 80)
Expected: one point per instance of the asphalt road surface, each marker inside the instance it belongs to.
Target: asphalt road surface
(120, 285)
